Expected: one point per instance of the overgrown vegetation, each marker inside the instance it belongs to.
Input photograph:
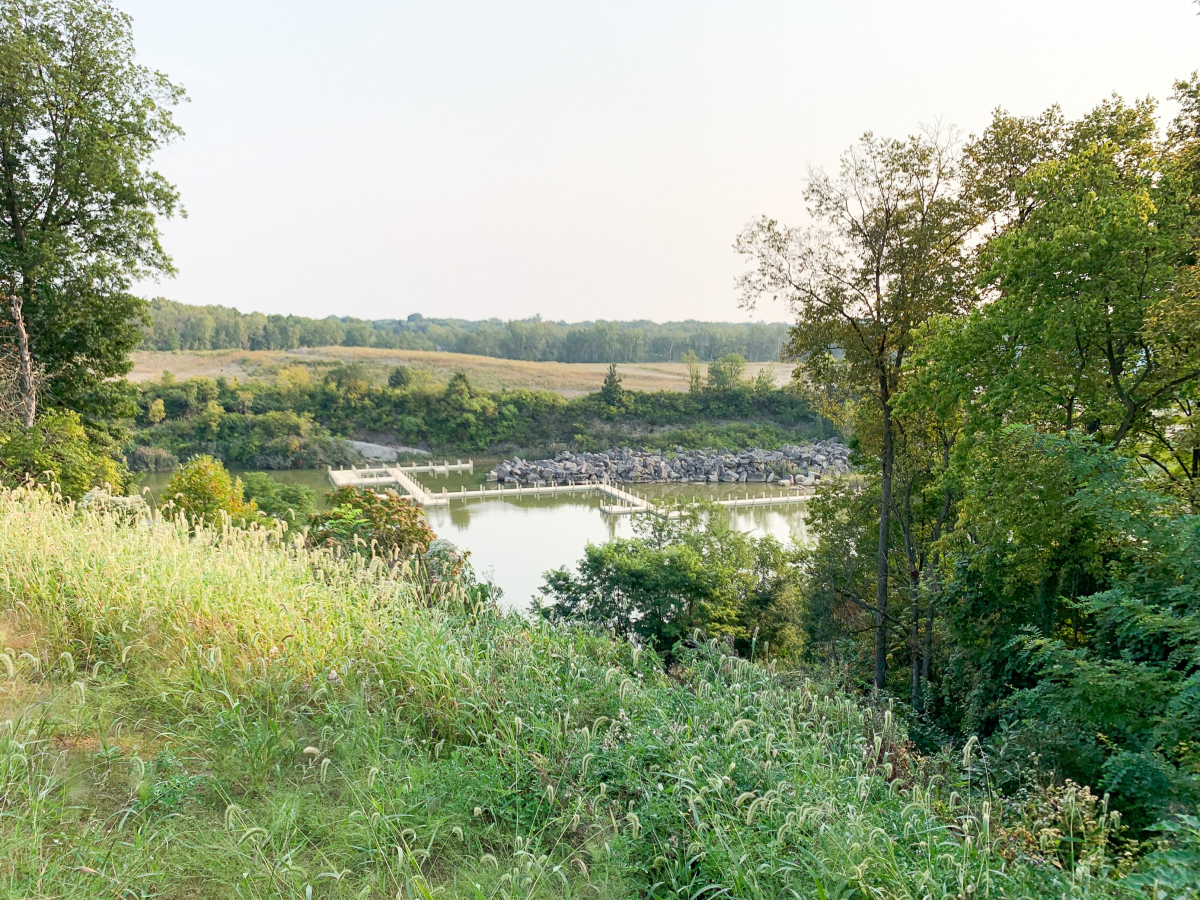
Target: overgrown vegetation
(374, 524)
(1032, 514)
(682, 576)
(224, 714)
(226, 703)
(288, 423)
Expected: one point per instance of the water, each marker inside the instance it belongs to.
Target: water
(514, 540)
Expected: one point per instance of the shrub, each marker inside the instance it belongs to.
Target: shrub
(400, 377)
(204, 491)
(362, 521)
(56, 449)
(681, 575)
(287, 502)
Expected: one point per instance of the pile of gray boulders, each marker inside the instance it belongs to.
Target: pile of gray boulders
(791, 464)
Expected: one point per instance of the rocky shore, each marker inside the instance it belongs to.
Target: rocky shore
(791, 464)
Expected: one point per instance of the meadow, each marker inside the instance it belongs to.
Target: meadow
(488, 373)
(229, 714)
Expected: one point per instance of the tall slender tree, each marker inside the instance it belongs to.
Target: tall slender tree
(888, 254)
(79, 203)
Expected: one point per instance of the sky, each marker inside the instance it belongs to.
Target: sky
(577, 161)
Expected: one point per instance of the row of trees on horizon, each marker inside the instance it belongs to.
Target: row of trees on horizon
(178, 326)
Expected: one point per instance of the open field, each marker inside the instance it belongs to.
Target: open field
(569, 379)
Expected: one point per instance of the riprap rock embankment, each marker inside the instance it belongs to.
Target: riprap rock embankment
(791, 464)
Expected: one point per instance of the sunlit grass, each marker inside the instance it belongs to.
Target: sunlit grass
(487, 372)
(230, 715)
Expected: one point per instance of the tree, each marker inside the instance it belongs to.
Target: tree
(400, 377)
(79, 205)
(292, 503)
(156, 411)
(363, 521)
(890, 255)
(725, 374)
(695, 380)
(55, 449)
(1093, 319)
(611, 392)
(204, 491)
(677, 576)
(764, 382)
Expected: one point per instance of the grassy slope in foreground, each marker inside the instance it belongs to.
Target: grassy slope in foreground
(226, 717)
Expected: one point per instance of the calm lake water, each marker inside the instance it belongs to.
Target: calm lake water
(513, 541)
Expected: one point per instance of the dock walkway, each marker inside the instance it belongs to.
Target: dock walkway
(626, 502)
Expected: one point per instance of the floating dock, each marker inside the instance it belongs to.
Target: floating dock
(627, 503)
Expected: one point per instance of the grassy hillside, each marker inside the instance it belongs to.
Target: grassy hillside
(489, 373)
(230, 715)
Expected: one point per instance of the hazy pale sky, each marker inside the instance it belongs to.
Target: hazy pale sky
(580, 161)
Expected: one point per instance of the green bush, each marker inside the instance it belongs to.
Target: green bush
(365, 522)
(679, 576)
(287, 502)
(56, 449)
(204, 491)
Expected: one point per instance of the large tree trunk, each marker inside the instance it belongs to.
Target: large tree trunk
(24, 363)
(885, 515)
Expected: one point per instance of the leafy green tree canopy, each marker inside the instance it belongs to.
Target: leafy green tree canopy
(1092, 319)
(79, 204)
(676, 577)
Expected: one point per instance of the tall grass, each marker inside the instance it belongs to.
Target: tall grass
(226, 714)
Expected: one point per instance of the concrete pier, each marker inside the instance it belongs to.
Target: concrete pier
(627, 503)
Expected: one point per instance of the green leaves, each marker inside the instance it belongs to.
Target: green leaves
(204, 491)
(681, 576)
(362, 521)
(79, 205)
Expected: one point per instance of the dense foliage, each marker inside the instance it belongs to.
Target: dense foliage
(1040, 559)
(287, 502)
(79, 122)
(287, 423)
(56, 450)
(176, 326)
(203, 491)
(682, 576)
(369, 523)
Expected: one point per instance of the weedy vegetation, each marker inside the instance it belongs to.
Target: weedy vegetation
(218, 712)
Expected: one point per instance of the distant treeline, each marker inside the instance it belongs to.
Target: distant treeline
(176, 326)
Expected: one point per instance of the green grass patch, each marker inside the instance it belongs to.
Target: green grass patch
(232, 715)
